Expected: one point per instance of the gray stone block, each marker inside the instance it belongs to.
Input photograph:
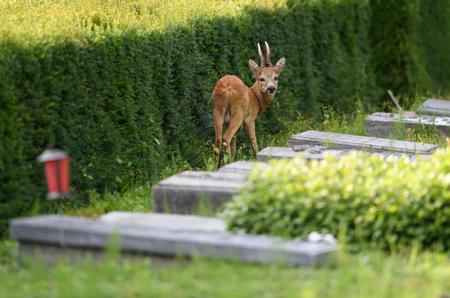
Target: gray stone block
(238, 167)
(384, 124)
(269, 153)
(438, 107)
(188, 191)
(160, 237)
(345, 141)
(316, 153)
(310, 152)
(172, 222)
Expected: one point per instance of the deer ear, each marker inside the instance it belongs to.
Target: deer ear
(280, 65)
(253, 66)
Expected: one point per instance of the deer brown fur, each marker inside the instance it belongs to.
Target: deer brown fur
(237, 105)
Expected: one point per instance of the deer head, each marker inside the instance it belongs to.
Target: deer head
(266, 74)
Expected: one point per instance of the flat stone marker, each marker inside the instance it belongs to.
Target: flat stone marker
(238, 167)
(160, 236)
(170, 222)
(309, 152)
(438, 107)
(383, 124)
(187, 192)
(371, 144)
(318, 153)
(269, 153)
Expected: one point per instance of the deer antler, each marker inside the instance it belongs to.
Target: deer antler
(268, 54)
(261, 56)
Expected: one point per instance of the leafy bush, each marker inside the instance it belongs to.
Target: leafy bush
(383, 202)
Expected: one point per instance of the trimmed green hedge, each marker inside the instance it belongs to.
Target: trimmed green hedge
(124, 104)
(388, 203)
(126, 93)
(435, 40)
(410, 45)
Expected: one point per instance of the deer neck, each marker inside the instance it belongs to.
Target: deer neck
(263, 99)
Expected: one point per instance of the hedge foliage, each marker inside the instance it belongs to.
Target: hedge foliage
(388, 203)
(124, 86)
(124, 101)
(410, 42)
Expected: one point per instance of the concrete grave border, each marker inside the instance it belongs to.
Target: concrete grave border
(433, 106)
(188, 191)
(72, 235)
(365, 143)
(382, 124)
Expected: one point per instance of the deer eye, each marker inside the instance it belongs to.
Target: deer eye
(275, 78)
(262, 79)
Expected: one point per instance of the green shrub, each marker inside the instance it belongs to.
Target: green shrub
(386, 203)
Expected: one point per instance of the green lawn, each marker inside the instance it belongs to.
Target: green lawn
(365, 275)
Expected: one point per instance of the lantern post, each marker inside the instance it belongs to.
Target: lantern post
(56, 167)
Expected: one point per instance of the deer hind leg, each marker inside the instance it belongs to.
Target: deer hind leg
(233, 143)
(250, 129)
(233, 126)
(233, 147)
(219, 109)
(218, 124)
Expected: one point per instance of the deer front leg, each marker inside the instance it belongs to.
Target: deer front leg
(250, 129)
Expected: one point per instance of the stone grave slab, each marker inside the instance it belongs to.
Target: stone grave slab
(237, 167)
(189, 191)
(158, 236)
(309, 152)
(269, 153)
(170, 222)
(316, 153)
(438, 107)
(372, 144)
(383, 124)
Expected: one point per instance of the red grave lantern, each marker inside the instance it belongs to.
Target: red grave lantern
(56, 166)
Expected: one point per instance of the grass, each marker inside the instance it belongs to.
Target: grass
(365, 275)
(334, 121)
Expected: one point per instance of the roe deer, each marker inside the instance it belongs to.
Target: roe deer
(236, 104)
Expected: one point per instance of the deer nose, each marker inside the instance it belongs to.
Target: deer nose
(270, 89)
